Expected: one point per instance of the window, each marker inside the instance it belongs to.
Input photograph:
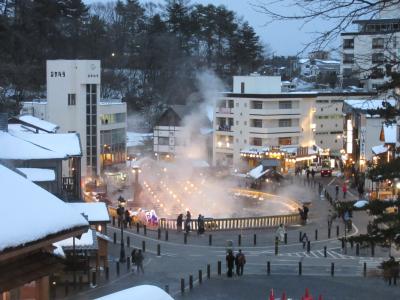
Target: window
(242, 87)
(322, 109)
(71, 99)
(230, 103)
(163, 140)
(378, 43)
(256, 123)
(321, 142)
(256, 104)
(285, 123)
(285, 141)
(348, 58)
(245, 123)
(285, 104)
(257, 141)
(348, 43)
(378, 58)
(347, 72)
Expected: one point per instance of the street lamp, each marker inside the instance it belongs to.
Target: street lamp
(136, 170)
(121, 212)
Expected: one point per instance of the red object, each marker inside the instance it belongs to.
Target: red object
(284, 296)
(271, 295)
(326, 172)
(344, 188)
(307, 295)
(320, 297)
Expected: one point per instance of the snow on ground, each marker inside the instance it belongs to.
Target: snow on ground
(29, 212)
(139, 292)
(36, 174)
(50, 127)
(96, 211)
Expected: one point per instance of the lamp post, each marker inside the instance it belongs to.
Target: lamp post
(121, 212)
(136, 170)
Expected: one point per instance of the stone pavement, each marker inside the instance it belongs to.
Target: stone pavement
(179, 260)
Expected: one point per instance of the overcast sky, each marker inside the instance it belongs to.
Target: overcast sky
(282, 38)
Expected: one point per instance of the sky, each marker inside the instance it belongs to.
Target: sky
(283, 38)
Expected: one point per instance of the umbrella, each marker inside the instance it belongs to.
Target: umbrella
(360, 203)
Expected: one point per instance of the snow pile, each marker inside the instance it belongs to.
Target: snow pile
(47, 126)
(30, 213)
(139, 292)
(85, 240)
(36, 174)
(96, 211)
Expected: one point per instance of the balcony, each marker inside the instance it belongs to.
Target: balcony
(224, 110)
(269, 112)
(275, 130)
(224, 128)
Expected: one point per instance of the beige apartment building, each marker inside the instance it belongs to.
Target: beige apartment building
(259, 116)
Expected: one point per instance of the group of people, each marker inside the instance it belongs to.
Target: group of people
(187, 223)
(344, 190)
(304, 214)
(239, 260)
(137, 260)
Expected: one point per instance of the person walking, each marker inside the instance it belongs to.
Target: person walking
(133, 259)
(230, 260)
(337, 191)
(188, 221)
(240, 261)
(200, 224)
(312, 173)
(304, 239)
(127, 218)
(139, 261)
(179, 222)
(280, 233)
(344, 190)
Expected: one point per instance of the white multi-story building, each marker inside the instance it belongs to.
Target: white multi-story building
(367, 51)
(73, 103)
(258, 118)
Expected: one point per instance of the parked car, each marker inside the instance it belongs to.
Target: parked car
(326, 172)
(316, 167)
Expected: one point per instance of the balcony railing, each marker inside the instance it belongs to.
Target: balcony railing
(224, 128)
(224, 110)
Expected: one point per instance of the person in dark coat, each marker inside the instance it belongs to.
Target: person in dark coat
(179, 222)
(133, 258)
(230, 260)
(240, 261)
(127, 218)
(139, 261)
(188, 221)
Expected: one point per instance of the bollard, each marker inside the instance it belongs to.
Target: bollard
(343, 243)
(316, 234)
(329, 232)
(166, 235)
(200, 276)
(300, 268)
(94, 282)
(113, 220)
(268, 267)
(144, 229)
(332, 269)
(372, 249)
(208, 271)
(324, 251)
(255, 239)
(107, 273)
(276, 247)
(219, 267)
(66, 287)
(300, 235)
(210, 240)
(185, 238)
(308, 246)
(144, 246)
(337, 230)
(357, 249)
(285, 238)
(137, 227)
(182, 285)
(158, 250)
(117, 268)
(128, 241)
(167, 289)
(365, 269)
(240, 240)
(158, 233)
(115, 237)
(128, 263)
(191, 282)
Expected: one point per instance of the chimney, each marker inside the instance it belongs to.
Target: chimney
(4, 122)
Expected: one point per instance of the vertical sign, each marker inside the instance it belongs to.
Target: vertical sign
(349, 143)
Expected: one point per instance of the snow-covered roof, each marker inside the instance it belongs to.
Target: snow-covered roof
(42, 124)
(96, 211)
(390, 132)
(36, 174)
(379, 149)
(87, 240)
(304, 60)
(136, 138)
(32, 212)
(366, 104)
(257, 172)
(139, 292)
